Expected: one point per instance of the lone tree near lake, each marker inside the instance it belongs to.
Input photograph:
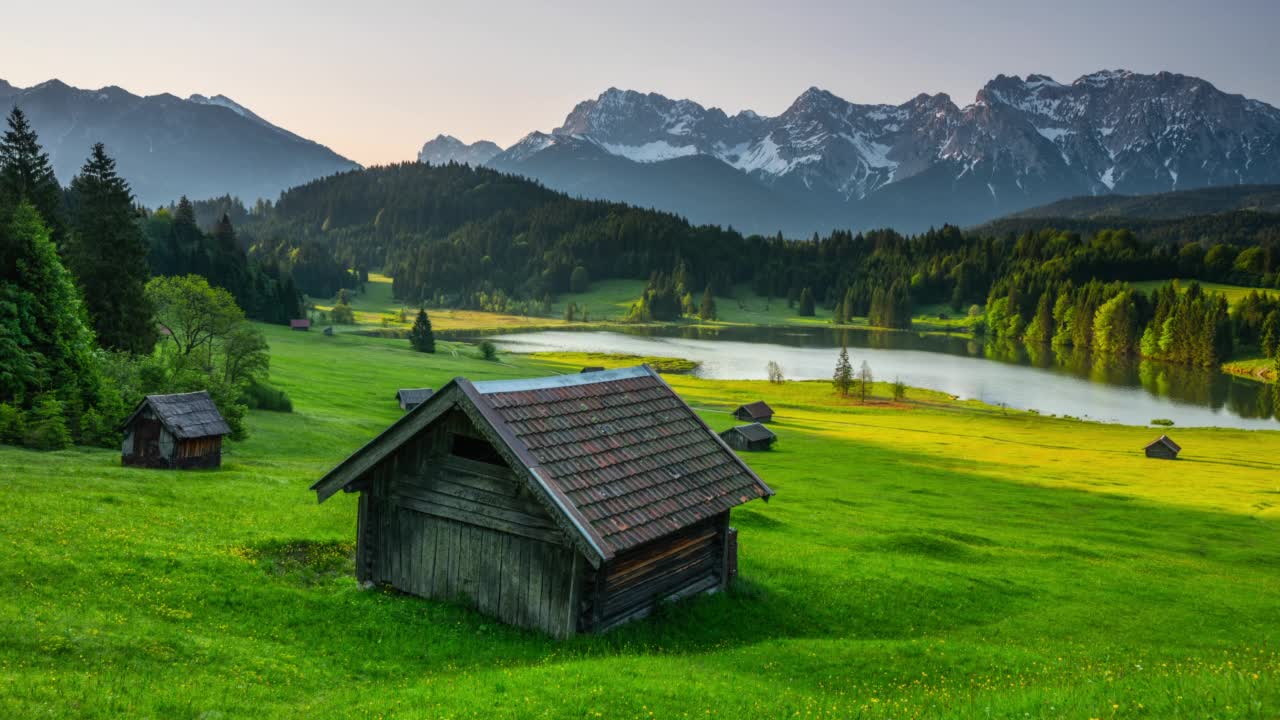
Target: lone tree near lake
(421, 337)
(864, 381)
(775, 373)
(843, 377)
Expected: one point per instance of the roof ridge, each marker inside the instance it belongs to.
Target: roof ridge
(492, 387)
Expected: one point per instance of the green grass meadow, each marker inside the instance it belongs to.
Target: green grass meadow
(924, 559)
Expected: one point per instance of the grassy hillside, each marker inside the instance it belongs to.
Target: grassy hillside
(923, 559)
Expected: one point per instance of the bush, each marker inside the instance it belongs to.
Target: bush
(47, 428)
(13, 424)
(342, 314)
(488, 350)
(259, 395)
(1162, 421)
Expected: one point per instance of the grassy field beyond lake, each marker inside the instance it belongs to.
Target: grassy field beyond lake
(922, 559)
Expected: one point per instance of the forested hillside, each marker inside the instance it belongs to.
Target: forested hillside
(1163, 206)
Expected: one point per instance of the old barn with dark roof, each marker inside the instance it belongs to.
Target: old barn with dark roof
(1163, 448)
(749, 437)
(568, 504)
(756, 412)
(174, 431)
(410, 398)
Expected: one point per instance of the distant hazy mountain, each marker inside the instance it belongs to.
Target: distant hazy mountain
(447, 148)
(166, 146)
(826, 162)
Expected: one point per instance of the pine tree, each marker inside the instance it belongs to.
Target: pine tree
(27, 175)
(843, 377)
(45, 340)
(806, 303)
(107, 254)
(707, 310)
(1270, 340)
(421, 337)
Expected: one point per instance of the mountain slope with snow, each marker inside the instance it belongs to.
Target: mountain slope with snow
(825, 161)
(166, 146)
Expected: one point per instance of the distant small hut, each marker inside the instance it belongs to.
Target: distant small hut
(569, 504)
(410, 398)
(1163, 448)
(303, 324)
(749, 437)
(756, 412)
(591, 368)
(174, 431)
(328, 332)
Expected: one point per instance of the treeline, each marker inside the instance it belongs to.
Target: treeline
(458, 236)
(177, 246)
(80, 314)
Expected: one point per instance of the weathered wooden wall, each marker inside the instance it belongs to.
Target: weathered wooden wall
(147, 443)
(678, 565)
(442, 526)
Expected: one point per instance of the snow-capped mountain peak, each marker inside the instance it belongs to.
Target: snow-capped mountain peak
(1021, 142)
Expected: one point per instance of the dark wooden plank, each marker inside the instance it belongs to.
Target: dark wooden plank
(511, 501)
(448, 513)
(432, 497)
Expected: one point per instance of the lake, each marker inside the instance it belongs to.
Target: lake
(1009, 374)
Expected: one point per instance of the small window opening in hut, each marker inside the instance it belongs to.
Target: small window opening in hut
(465, 446)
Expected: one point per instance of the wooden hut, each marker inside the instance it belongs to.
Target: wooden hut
(749, 437)
(174, 431)
(756, 412)
(1163, 448)
(328, 332)
(303, 324)
(567, 504)
(410, 398)
(591, 368)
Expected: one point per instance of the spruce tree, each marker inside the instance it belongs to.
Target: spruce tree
(806, 303)
(27, 175)
(707, 310)
(45, 340)
(421, 337)
(842, 379)
(1271, 334)
(107, 254)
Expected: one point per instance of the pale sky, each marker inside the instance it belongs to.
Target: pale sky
(374, 79)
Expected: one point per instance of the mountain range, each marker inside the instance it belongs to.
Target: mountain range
(167, 146)
(826, 162)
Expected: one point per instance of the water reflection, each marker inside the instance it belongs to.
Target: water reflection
(1051, 380)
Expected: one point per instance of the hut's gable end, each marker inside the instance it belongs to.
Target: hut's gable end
(444, 516)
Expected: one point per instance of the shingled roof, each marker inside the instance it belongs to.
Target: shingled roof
(186, 415)
(1167, 442)
(753, 432)
(756, 410)
(413, 396)
(617, 452)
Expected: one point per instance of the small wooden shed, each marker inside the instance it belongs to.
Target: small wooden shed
(174, 431)
(410, 398)
(567, 504)
(303, 324)
(749, 437)
(328, 331)
(1163, 448)
(591, 368)
(756, 412)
